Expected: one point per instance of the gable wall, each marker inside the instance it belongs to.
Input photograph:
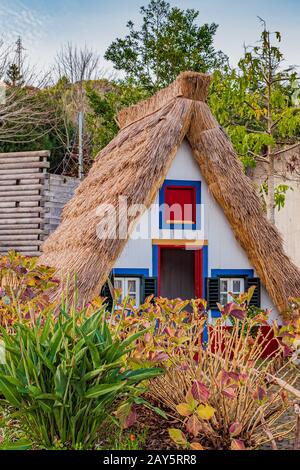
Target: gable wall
(224, 252)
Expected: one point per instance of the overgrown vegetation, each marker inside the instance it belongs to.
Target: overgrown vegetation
(24, 289)
(69, 371)
(63, 375)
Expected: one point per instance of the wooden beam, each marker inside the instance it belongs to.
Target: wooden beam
(20, 187)
(8, 238)
(19, 243)
(29, 165)
(21, 219)
(16, 231)
(15, 192)
(19, 159)
(23, 176)
(7, 204)
(39, 153)
(21, 197)
(16, 210)
(19, 172)
(18, 227)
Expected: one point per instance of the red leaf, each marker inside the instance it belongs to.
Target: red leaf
(229, 392)
(237, 444)
(200, 392)
(131, 418)
(235, 429)
(238, 313)
(193, 426)
(260, 394)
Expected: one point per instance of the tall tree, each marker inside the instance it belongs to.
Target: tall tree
(255, 104)
(169, 41)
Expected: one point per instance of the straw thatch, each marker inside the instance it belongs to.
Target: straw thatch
(136, 163)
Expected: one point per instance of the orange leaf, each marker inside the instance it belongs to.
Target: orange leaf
(196, 446)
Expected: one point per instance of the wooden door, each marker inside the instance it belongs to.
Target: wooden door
(177, 273)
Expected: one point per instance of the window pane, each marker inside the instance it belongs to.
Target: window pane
(131, 286)
(223, 299)
(118, 283)
(223, 285)
(236, 285)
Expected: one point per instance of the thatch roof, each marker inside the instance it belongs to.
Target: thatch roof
(135, 164)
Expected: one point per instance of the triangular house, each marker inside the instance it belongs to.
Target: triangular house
(171, 150)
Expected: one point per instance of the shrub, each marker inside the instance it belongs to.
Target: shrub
(63, 376)
(225, 396)
(173, 327)
(24, 288)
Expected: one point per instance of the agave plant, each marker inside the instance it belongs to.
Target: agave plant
(64, 375)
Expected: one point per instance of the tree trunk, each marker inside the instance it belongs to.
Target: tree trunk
(271, 187)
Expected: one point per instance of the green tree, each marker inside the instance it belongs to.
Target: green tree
(169, 41)
(14, 76)
(255, 104)
(101, 120)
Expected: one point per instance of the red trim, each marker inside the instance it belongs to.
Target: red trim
(198, 267)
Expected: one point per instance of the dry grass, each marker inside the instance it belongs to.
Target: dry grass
(242, 389)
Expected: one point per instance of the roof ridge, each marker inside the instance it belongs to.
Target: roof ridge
(191, 85)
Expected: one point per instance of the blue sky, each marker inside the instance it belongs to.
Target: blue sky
(46, 24)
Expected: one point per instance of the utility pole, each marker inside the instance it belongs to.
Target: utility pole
(80, 145)
(19, 51)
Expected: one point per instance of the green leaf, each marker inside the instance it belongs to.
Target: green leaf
(104, 389)
(9, 392)
(18, 445)
(138, 375)
(60, 380)
(177, 436)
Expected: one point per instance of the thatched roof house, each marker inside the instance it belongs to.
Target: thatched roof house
(136, 164)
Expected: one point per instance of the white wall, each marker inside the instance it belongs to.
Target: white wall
(224, 252)
(287, 219)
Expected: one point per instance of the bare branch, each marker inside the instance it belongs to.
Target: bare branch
(77, 65)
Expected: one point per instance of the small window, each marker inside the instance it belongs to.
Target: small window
(234, 285)
(130, 287)
(181, 204)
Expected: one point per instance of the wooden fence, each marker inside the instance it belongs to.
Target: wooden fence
(31, 201)
(22, 207)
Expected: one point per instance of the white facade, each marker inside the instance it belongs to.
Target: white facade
(224, 251)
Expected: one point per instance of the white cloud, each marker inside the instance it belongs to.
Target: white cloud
(16, 19)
